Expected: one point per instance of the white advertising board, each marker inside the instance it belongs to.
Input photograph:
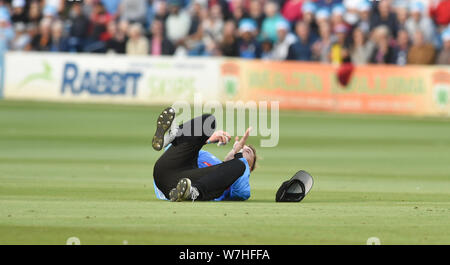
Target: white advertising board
(109, 78)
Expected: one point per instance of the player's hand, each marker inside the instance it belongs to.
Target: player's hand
(220, 137)
(239, 144)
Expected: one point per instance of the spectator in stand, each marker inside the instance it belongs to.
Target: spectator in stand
(160, 10)
(351, 15)
(123, 27)
(248, 46)
(198, 10)
(21, 41)
(112, 6)
(402, 47)
(229, 45)
(269, 29)
(34, 13)
(211, 36)
(301, 50)
(41, 42)
(238, 12)
(59, 43)
(340, 45)
(402, 13)
(135, 11)
(88, 7)
(178, 23)
(383, 52)
(256, 12)
(102, 25)
(79, 28)
(118, 41)
(32, 31)
(308, 11)
(99, 21)
(322, 17)
(361, 49)
(6, 32)
(285, 40)
(322, 47)
(337, 15)
(418, 21)
(98, 34)
(150, 13)
(224, 7)
(364, 9)
(194, 42)
(444, 55)
(159, 44)
(18, 12)
(384, 16)
(421, 52)
(213, 25)
(137, 44)
(266, 49)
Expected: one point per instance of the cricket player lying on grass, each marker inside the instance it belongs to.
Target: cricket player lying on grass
(185, 172)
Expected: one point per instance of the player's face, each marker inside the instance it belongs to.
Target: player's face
(249, 155)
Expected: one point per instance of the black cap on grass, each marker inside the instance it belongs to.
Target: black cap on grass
(295, 189)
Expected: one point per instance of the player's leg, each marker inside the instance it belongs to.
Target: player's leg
(174, 160)
(183, 154)
(195, 131)
(208, 183)
(185, 147)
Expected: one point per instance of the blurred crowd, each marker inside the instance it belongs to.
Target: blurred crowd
(329, 31)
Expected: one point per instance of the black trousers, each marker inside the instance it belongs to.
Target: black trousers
(180, 161)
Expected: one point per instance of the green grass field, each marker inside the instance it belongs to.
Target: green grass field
(72, 170)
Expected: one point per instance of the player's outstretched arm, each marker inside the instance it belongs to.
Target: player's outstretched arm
(238, 145)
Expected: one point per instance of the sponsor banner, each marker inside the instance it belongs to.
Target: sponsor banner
(440, 91)
(104, 78)
(410, 90)
(413, 90)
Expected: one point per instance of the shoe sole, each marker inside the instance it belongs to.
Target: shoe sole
(163, 124)
(183, 189)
